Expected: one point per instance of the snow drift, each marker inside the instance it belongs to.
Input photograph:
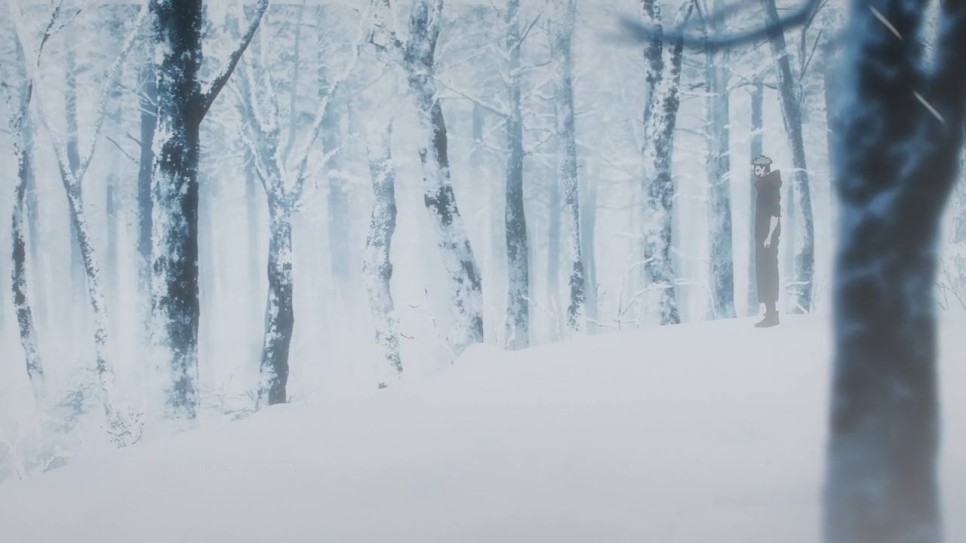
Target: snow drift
(709, 432)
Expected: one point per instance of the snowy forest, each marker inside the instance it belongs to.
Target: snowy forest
(485, 209)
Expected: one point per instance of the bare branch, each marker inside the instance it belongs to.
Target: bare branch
(646, 33)
(121, 149)
(216, 85)
(488, 107)
(108, 87)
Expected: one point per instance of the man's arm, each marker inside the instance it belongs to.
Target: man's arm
(771, 230)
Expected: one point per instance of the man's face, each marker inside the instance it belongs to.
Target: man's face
(759, 171)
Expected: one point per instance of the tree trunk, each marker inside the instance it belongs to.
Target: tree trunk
(553, 254)
(148, 101)
(458, 259)
(174, 187)
(562, 46)
(802, 232)
(73, 159)
(279, 311)
(18, 276)
(719, 183)
(588, 227)
(661, 113)
(757, 138)
(893, 180)
(517, 241)
(377, 263)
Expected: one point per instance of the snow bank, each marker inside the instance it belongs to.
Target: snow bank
(709, 432)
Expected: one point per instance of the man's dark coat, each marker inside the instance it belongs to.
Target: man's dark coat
(768, 206)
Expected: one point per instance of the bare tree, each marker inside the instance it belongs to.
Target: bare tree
(182, 105)
(284, 184)
(417, 58)
(18, 101)
(662, 76)
(562, 35)
(517, 241)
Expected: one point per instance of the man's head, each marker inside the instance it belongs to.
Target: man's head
(762, 165)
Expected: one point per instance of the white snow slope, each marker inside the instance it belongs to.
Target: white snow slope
(709, 432)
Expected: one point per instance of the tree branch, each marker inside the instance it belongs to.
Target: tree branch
(216, 85)
(645, 33)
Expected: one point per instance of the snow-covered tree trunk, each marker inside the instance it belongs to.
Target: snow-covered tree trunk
(18, 275)
(174, 207)
(463, 274)
(661, 117)
(73, 157)
(563, 57)
(802, 231)
(279, 310)
(377, 262)
(902, 134)
(757, 144)
(719, 185)
(517, 241)
(148, 102)
(554, 210)
(588, 227)
(181, 106)
(95, 294)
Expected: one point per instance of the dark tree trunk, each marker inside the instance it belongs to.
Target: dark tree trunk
(377, 264)
(174, 188)
(182, 105)
(563, 52)
(18, 275)
(894, 177)
(719, 183)
(802, 232)
(517, 241)
(458, 260)
(661, 113)
(279, 310)
(757, 138)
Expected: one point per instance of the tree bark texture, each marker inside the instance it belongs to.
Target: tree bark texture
(661, 112)
(902, 134)
(174, 188)
(18, 274)
(279, 309)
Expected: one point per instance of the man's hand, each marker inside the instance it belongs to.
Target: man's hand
(768, 242)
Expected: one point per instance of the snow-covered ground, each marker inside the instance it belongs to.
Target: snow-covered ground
(708, 432)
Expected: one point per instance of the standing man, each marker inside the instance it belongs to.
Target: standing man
(768, 229)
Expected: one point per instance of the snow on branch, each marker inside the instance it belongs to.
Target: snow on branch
(208, 97)
(647, 32)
